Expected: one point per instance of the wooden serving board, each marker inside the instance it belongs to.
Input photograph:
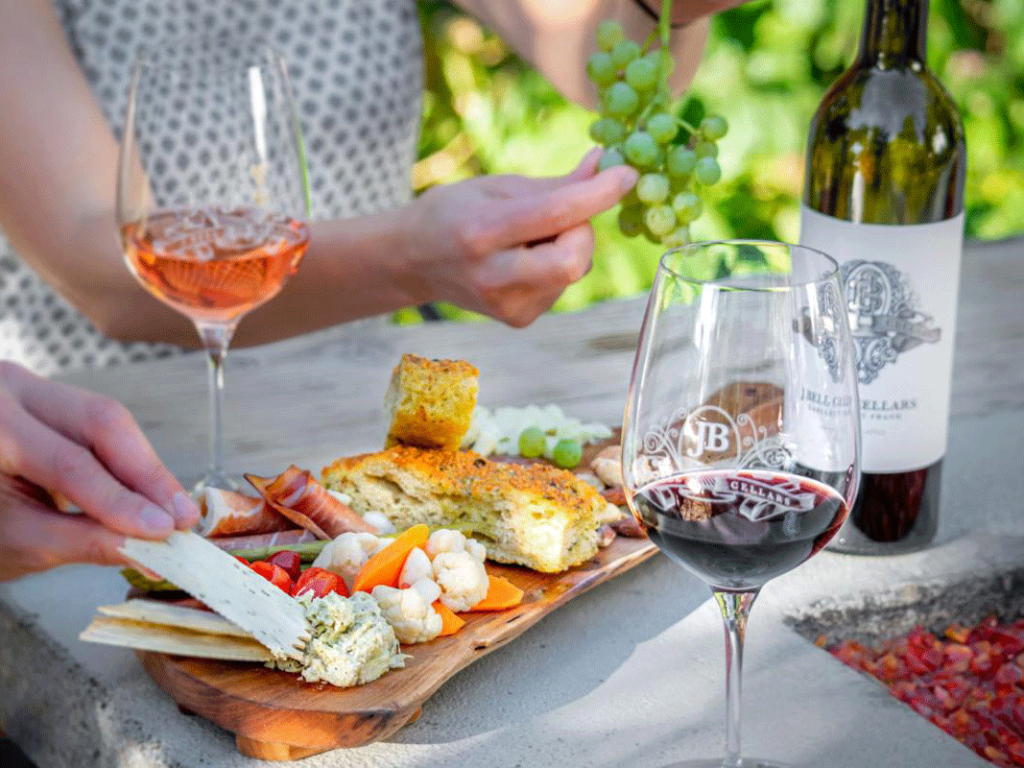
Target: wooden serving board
(277, 716)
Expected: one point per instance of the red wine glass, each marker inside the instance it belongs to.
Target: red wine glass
(741, 434)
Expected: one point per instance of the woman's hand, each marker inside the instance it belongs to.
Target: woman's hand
(507, 246)
(60, 442)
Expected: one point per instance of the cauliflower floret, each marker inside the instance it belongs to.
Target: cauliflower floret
(348, 553)
(380, 521)
(462, 578)
(476, 549)
(445, 540)
(417, 566)
(409, 614)
(428, 589)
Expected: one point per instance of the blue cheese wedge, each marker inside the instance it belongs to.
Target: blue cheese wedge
(352, 643)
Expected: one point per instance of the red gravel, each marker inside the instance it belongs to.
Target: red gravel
(969, 681)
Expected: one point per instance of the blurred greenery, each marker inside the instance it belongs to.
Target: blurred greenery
(765, 69)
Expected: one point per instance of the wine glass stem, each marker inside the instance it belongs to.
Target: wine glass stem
(735, 607)
(216, 338)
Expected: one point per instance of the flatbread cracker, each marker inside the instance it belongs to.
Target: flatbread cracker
(176, 616)
(178, 642)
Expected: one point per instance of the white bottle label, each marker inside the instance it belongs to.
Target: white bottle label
(900, 285)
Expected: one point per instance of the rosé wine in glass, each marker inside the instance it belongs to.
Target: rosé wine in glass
(212, 225)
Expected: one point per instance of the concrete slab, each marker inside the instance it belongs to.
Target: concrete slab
(630, 674)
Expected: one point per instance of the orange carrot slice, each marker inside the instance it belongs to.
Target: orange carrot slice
(501, 594)
(385, 567)
(451, 621)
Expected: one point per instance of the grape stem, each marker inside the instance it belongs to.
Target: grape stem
(663, 22)
(650, 39)
(645, 114)
(664, 33)
(686, 125)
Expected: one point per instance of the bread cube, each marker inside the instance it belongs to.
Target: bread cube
(430, 403)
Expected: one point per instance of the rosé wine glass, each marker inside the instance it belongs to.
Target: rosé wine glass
(741, 435)
(212, 193)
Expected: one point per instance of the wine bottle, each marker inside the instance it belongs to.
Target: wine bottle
(884, 196)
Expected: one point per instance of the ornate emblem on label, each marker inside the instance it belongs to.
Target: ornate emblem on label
(709, 436)
(884, 319)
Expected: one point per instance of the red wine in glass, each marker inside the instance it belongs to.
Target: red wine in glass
(736, 529)
(740, 443)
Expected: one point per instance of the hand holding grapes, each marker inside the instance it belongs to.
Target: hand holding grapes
(507, 246)
(638, 127)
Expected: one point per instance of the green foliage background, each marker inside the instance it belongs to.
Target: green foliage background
(765, 69)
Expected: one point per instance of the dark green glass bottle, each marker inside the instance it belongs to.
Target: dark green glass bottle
(884, 195)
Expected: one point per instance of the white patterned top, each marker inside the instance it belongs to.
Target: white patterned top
(356, 71)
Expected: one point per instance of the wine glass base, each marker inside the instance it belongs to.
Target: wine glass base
(218, 479)
(746, 762)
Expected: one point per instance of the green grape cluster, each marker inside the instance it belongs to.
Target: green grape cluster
(637, 126)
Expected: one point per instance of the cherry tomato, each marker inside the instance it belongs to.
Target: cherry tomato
(275, 574)
(320, 583)
(290, 561)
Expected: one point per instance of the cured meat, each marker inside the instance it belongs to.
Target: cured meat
(297, 495)
(262, 540)
(226, 513)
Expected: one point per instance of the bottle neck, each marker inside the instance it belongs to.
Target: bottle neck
(894, 33)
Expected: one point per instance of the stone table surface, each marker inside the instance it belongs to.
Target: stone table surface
(628, 674)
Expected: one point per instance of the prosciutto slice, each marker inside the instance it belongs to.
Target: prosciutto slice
(299, 497)
(226, 513)
(262, 540)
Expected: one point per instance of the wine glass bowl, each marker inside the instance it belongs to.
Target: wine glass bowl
(741, 434)
(212, 191)
(212, 264)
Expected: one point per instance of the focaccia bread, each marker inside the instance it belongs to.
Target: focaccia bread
(538, 516)
(430, 403)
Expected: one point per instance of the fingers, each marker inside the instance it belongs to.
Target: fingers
(521, 284)
(587, 166)
(35, 538)
(507, 223)
(31, 450)
(509, 185)
(107, 428)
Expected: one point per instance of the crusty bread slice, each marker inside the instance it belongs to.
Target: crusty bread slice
(430, 403)
(538, 516)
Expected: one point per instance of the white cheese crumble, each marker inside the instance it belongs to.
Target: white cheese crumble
(498, 431)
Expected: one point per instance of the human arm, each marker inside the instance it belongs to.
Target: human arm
(505, 246)
(57, 168)
(557, 37)
(58, 442)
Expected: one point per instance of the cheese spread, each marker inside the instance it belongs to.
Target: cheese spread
(352, 643)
